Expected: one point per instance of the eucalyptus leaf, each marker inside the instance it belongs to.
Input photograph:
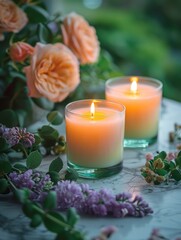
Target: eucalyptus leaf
(21, 115)
(8, 117)
(48, 133)
(53, 222)
(36, 220)
(14, 74)
(3, 145)
(43, 103)
(33, 160)
(56, 165)
(71, 174)
(36, 14)
(54, 176)
(5, 166)
(55, 118)
(37, 139)
(72, 216)
(50, 202)
(44, 33)
(3, 156)
(22, 195)
(3, 185)
(28, 208)
(20, 167)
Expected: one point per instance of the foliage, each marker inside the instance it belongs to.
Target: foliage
(15, 104)
(143, 38)
(162, 168)
(42, 194)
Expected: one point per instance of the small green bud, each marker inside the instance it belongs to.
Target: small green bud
(58, 149)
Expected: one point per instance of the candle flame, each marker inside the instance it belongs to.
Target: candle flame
(92, 110)
(134, 85)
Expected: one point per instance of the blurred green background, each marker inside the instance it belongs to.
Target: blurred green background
(143, 37)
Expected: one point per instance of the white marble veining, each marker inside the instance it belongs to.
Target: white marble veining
(165, 199)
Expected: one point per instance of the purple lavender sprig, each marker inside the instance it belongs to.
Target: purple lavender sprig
(37, 182)
(80, 196)
(16, 135)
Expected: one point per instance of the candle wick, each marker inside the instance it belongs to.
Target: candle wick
(92, 115)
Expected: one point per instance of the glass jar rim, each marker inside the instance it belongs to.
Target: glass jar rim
(115, 106)
(140, 78)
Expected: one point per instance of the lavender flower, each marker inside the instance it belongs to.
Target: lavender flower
(23, 180)
(37, 182)
(69, 194)
(80, 196)
(15, 135)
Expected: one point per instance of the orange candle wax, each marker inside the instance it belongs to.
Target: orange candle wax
(94, 139)
(142, 101)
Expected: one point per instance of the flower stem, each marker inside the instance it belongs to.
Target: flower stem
(24, 151)
(54, 219)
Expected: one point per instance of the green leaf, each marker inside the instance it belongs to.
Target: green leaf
(162, 155)
(178, 161)
(22, 195)
(3, 145)
(72, 216)
(55, 118)
(179, 154)
(50, 202)
(33, 160)
(144, 174)
(161, 172)
(56, 165)
(36, 14)
(71, 174)
(5, 166)
(44, 33)
(21, 115)
(43, 103)
(14, 74)
(3, 157)
(20, 167)
(172, 165)
(9, 118)
(53, 222)
(54, 176)
(28, 208)
(37, 140)
(3, 185)
(36, 220)
(48, 133)
(176, 175)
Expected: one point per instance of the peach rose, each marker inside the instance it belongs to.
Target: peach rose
(53, 72)
(81, 38)
(12, 18)
(19, 51)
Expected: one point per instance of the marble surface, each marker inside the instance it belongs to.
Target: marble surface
(165, 199)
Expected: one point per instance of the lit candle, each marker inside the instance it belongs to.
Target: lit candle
(94, 134)
(142, 99)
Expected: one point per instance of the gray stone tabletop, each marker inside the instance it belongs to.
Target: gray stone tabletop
(165, 199)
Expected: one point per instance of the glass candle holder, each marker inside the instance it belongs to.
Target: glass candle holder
(142, 99)
(94, 135)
